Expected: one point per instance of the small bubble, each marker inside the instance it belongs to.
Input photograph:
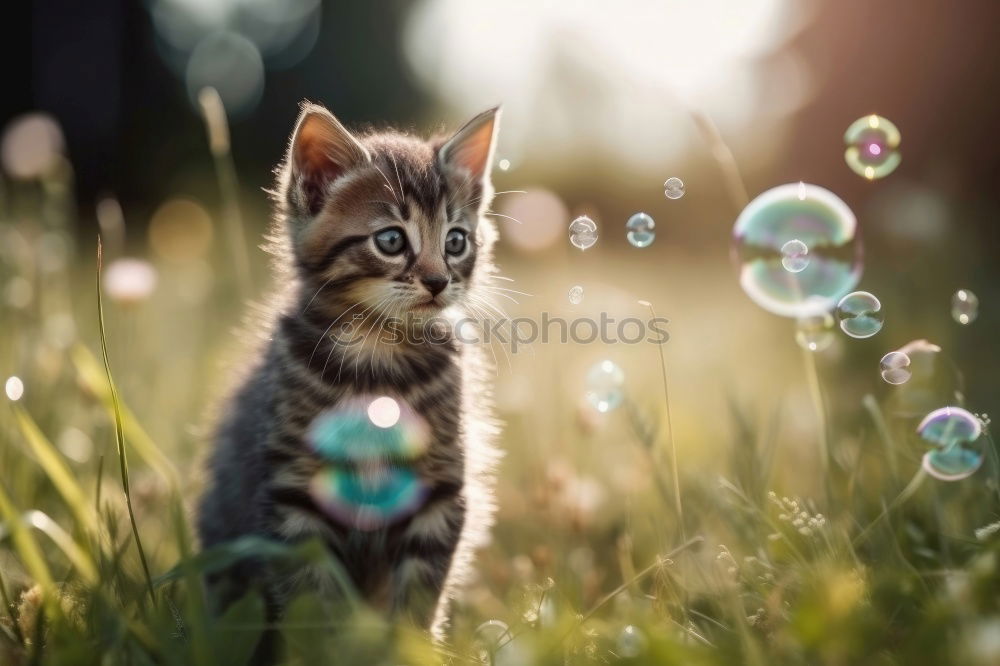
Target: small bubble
(815, 332)
(605, 386)
(673, 188)
(583, 232)
(860, 314)
(872, 147)
(14, 388)
(504, 165)
(964, 307)
(895, 368)
(490, 636)
(631, 642)
(576, 294)
(794, 256)
(640, 228)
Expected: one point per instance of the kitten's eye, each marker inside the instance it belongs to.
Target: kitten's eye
(391, 241)
(454, 242)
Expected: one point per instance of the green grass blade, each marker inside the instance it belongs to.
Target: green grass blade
(27, 548)
(93, 376)
(119, 436)
(56, 469)
(78, 557)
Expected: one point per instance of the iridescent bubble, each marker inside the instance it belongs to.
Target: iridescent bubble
(368, 442)
(576, 294)
(860, 314)
(794, 256)
(369, 495)
(490, 637)
(583, 232)
(640, 228)
(14, 388)
(953, 432)
(964, 307)
(895, 368)
(369, 428)
(818, 219)
(872, 147)
(815, 332)
(605, 386)
(673, 188)
(949, 426)
(631, 642)
(954, 464)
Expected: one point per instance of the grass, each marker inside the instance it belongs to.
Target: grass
(654, 562)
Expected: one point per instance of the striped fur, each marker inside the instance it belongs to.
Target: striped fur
(336, 192)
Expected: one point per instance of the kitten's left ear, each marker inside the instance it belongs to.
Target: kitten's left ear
(470, 150)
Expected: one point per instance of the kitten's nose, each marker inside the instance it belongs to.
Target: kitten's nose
(435, 283)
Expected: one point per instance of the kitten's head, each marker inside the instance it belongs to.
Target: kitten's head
(386, 223)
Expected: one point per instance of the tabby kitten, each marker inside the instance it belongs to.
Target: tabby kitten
(368, 227)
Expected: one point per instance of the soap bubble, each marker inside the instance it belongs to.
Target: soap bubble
(504, 164)
(640, 230)
(964, 306)
(583, 232)
(794, 256)
(954, 464)
(576, 294)
(673, 188)
(895, 368)
(950, 426)
(490, 636)
(815, 332)
(818, 219)
(368, 496)
(605, 386)
(14, 388)
(367, 428)
(367, 442)
(953, 432)
(872, 147)
(860, 314)
(631, 642)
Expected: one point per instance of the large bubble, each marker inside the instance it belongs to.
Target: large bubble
(818, 219)
(367, 446)
(953, 433)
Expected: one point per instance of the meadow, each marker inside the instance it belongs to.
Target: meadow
(749, 502)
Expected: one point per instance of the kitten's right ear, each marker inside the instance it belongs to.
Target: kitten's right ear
(321, 150)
